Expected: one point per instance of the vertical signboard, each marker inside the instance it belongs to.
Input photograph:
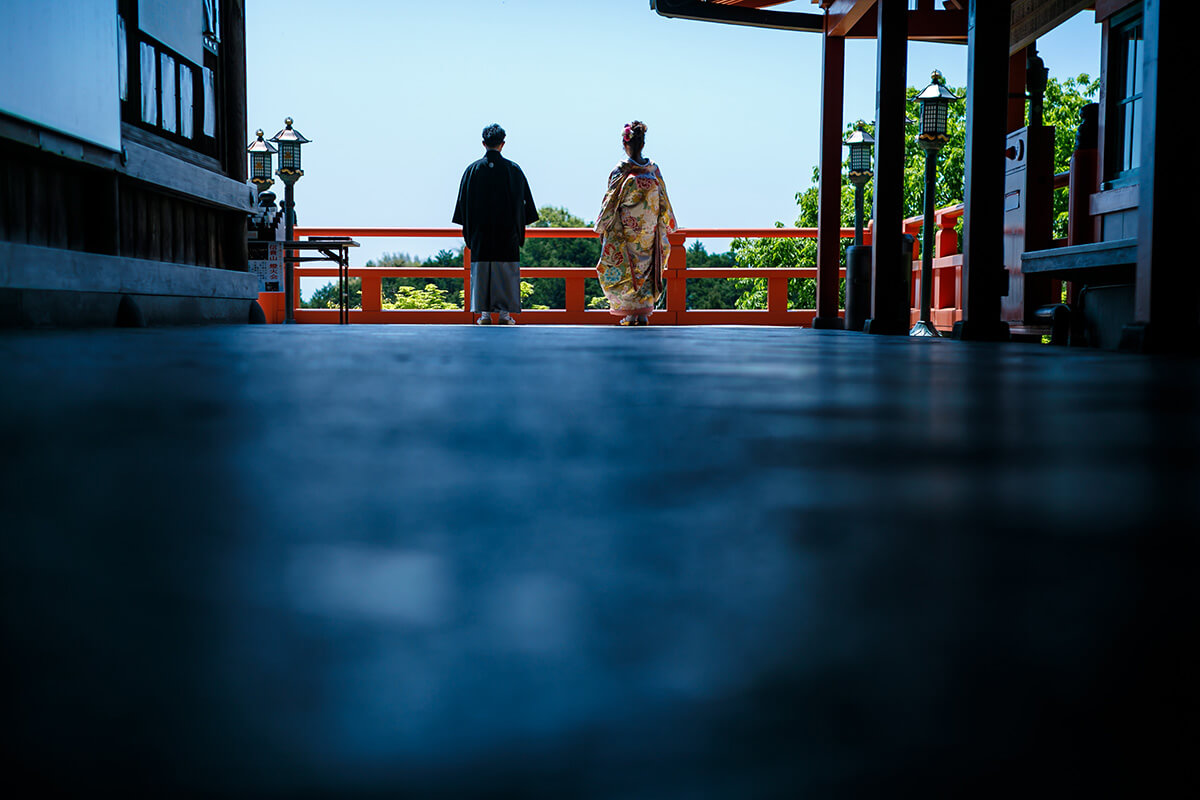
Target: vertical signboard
(269, 266)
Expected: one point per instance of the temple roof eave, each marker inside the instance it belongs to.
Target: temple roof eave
(850, 19)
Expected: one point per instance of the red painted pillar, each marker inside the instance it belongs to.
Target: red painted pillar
(829, 201)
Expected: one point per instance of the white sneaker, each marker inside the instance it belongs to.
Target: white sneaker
(484, 319)
(505, 319)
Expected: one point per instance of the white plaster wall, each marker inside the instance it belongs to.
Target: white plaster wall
(58, 66)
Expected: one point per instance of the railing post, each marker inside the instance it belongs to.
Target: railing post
(372, 293)
(676, 275)
(913, 228)
(575, 293)
(295, 296)
(466, 279)
(777, 295)
(947, 240)
(945, 281)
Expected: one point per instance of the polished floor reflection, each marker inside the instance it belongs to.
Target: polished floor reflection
(581, 562)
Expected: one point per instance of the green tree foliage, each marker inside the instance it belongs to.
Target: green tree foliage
(570, 252)
(430, 296)
(413, 292)
(327, 296)
(703, 293)
(402, 292)
(1063, 101)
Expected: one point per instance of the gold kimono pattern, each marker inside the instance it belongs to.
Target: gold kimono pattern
(633, 225)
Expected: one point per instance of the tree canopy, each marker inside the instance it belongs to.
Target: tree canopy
(1063, 101)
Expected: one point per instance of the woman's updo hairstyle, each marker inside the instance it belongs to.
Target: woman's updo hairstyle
(634, 137)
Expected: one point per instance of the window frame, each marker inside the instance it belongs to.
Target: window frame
(1124, 97)
(131, 106)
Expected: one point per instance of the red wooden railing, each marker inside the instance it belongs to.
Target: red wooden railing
(677, 274)
(947, 304)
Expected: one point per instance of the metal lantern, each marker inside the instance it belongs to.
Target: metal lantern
(289, 141)
(260, 162)
(860, 143)
(935, 100)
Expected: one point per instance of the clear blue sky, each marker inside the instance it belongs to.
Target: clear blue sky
(394, 94)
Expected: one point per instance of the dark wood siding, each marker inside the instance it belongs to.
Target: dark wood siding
(50, 201)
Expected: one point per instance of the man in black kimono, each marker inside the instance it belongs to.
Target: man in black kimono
(494, 206)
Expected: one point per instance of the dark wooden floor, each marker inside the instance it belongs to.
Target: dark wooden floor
(581, 562)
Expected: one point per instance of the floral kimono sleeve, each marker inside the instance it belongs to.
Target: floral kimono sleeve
(611, 205)
(666, 214)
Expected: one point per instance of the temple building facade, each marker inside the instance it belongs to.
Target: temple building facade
(122, 167)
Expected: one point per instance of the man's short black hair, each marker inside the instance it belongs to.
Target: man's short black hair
(493, 135)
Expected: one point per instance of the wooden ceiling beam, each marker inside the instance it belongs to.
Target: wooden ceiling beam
(843, 15)
(855, 19)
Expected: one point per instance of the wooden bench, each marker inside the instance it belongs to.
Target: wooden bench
(1095, 263)
(1102, 268)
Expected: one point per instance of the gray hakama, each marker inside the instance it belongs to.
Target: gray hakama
(495, 286)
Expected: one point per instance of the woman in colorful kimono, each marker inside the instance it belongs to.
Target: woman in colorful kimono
(633, 225)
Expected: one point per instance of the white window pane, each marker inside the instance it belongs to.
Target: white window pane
(186, 125)
(212, 22)
(149, 85)
(122, 59)
(1135, 124)
(210, 103)
(168, 92)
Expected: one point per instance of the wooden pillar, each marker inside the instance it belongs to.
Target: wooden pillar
(889, 270)
(829, 200)
(1016, 91)
(233, 57)
(1166, 310)
(233, 54)
(983, 274)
